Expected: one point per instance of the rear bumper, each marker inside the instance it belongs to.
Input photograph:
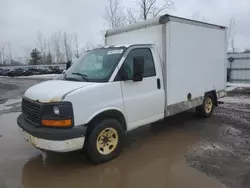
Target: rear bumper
(53, 139)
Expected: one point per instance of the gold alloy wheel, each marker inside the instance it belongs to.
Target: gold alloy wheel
(107, 141)
(208, 105)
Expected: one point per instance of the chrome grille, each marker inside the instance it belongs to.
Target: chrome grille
(31, 111)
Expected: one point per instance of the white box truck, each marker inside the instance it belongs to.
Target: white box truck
(146, 72)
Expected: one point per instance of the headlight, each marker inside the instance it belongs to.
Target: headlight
(56, 110)
(57, 114)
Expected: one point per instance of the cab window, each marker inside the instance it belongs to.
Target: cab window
(149, 67)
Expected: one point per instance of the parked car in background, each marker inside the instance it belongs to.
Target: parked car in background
(3, 71)
(45, 70)
(56, 70)
(15, 72)
(29, 72)
(26, 72)
(34, 71)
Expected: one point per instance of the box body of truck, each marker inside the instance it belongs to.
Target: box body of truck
(192, 54)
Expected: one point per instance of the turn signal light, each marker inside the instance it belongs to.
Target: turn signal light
(57, 123)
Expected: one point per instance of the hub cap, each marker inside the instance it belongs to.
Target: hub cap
(107, 141)
(208, 105)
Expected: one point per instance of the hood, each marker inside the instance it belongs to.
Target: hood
(53, 90)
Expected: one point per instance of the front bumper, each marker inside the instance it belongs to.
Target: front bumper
(53, 139)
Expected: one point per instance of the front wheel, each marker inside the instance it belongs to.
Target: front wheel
(207, 108)
(105, 142)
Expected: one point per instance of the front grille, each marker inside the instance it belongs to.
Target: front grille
(31, 111)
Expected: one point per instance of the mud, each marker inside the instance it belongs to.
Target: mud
(181, 151)
(154, 157)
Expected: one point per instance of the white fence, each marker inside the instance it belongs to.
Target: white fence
(239, 67)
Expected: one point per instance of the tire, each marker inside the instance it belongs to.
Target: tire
(207, 108)
(107, 131)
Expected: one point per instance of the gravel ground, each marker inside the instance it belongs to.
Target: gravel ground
(224, 151)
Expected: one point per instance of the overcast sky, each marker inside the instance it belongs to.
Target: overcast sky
(20, 20)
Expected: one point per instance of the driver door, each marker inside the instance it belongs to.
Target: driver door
(143, 100)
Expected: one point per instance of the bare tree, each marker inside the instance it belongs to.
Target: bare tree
(10, 54)
(149, 8)
(27, 51)
(231, 34)
(113, 14)
(67, 41)
(76, 45)
(49, 46)
(49, 49)
(42, 45)
(40, 41)
(49, 56)
(65, 38)
(57, 45)
(131, 16)
(2, 52)
(20, 60)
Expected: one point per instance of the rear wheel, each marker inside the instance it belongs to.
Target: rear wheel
(207, 108)
(105, 141)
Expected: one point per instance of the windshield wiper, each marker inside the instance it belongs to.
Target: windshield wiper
(84, 76)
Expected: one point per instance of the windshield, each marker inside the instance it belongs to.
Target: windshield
(96, 65)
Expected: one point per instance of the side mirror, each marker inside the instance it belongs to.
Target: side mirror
(138, 68)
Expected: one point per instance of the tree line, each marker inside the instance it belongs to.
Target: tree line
(61, 47)
(58, 48)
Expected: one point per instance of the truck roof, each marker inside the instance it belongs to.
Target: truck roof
(158, 21)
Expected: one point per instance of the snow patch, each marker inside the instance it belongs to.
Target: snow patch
(230, 88)
(238, 85)
(207, 147)
(9, 104)
(239, 99)
(44, 76)
(239, 108)
(212, 147)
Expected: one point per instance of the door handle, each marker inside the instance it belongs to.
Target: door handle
(158, 83)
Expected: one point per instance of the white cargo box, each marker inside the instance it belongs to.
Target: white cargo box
(193, 54)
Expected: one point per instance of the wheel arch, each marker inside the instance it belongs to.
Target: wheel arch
(115, 113)
(214, 94)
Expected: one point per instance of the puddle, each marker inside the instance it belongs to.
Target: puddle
(154, 159)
